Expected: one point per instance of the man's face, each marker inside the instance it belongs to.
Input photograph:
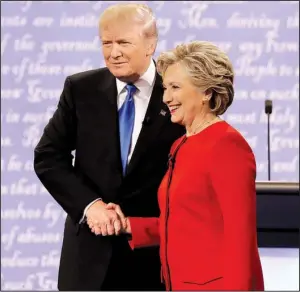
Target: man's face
(126, 51)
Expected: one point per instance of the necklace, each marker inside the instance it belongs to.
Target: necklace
(203, 124)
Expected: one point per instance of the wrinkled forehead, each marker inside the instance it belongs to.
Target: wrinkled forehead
(175, 73)
(120, 29)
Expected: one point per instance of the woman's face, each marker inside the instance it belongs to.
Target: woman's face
(182, 97)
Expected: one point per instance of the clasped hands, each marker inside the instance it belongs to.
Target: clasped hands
(107, 219)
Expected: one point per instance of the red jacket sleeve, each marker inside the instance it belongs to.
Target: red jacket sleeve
(144, 232)
(233, 173)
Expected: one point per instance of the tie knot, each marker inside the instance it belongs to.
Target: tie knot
(131, 89)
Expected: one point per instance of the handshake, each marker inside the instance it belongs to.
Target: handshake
(107, 219)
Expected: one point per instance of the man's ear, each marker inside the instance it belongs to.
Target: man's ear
(151, 46)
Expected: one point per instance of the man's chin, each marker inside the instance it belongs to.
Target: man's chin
(125, 76)
(119, 73)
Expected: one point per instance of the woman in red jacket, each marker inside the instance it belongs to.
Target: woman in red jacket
(207, 227)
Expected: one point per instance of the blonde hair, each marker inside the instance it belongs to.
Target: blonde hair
(140, 13)
(209, 69)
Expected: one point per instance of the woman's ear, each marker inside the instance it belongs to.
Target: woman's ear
(208, 94)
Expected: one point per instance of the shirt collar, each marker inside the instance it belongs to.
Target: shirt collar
(144, 83)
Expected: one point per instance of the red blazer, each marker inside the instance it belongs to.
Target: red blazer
(207, 227)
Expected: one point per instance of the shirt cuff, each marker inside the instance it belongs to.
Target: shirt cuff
(83, 219)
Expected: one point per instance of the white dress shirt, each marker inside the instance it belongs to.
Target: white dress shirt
(141, 98)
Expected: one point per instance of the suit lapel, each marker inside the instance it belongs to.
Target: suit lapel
(110, 112)
(109, 88)
(157, 113)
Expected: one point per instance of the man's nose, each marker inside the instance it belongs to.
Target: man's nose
(115, 51)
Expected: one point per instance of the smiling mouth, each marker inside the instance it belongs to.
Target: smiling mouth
(173, 109)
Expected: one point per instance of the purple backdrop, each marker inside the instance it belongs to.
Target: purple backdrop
(43, 42)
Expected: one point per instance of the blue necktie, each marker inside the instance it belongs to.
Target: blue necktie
(126, 122)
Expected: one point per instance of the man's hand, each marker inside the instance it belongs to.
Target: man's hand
(103, 220)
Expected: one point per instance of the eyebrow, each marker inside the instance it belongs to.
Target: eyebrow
(171, 83)
(118, 40)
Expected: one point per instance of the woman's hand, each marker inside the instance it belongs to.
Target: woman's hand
(119, 225)
(125, 223)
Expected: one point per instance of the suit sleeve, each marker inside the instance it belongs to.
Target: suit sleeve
(233, 173)
(144, 232)
(53, 159)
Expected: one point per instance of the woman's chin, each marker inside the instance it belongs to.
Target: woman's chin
(175, 119)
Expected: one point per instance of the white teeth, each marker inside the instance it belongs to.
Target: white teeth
(174, 108)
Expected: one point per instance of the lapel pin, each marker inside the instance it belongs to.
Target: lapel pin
(162, 112)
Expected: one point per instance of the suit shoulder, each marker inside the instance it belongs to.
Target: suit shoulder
(90, 75)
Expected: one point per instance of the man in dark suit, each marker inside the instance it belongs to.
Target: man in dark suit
(115, 120)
